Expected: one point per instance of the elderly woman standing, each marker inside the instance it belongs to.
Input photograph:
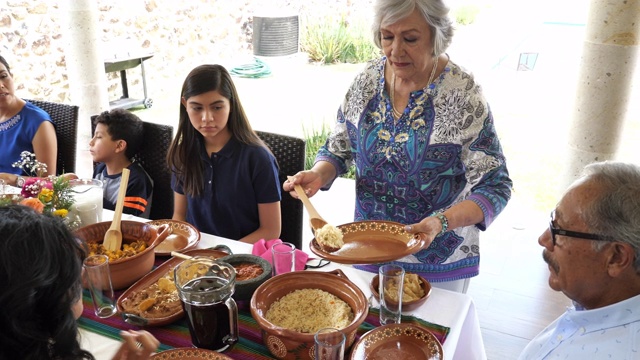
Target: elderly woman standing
(23, 127)
(422, 138)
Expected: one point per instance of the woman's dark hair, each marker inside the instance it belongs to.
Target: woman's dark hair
(184, 154)
(40, 280)
(123, 125)
(6, 64)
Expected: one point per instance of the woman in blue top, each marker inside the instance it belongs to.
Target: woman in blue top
(23, 127)
(225, 179)
(421, 136)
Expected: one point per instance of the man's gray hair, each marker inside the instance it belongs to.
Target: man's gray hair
(615, 211)
(435, 12)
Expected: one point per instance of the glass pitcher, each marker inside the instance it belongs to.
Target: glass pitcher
(205, 286)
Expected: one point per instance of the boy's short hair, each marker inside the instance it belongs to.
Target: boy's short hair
(123, 125)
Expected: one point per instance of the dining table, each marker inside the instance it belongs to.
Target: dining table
(454, 312)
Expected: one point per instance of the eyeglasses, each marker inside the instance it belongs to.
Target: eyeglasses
(575, 234)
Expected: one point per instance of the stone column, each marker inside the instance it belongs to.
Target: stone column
(610, 53)
(85, 68)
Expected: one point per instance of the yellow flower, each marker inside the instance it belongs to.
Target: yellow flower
(61, 213)
(46, 195)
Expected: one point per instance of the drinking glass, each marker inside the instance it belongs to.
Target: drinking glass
(89, 213)
(390, 287)
(284, 258)
(98, 278)
(330, 343)
(87, 191)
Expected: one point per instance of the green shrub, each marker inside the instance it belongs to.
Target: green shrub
(314, 141)
(466, 14)
(328, 41)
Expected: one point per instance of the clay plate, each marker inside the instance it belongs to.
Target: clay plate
(150, 279)
(371, 242)
(397, 341)
(183, 236)
(406, 305)
(189, 354)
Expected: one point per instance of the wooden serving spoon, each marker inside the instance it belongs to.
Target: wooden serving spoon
(113, 237)
(315, 220)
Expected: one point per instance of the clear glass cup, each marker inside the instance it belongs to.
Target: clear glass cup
(88, 213)
(391, 288)
(98, 280)
(283, 257)
(87, 191)
(330, 344)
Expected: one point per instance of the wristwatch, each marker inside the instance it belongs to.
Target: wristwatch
(19, 181)
(444, 222)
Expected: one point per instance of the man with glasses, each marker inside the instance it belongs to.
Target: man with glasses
(592, 248)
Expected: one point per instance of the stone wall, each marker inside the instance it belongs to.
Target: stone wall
(180, 34)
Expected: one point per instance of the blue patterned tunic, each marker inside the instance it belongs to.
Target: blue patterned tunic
(442, 150)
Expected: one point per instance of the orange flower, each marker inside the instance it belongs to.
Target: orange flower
(33, 203)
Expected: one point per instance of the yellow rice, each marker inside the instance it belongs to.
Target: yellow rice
(309, 310)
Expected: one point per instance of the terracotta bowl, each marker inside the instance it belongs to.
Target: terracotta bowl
(289, 344)
(126, 271)
(406, 305)
(245, 288)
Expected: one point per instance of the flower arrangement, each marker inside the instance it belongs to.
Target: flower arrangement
(50, 195)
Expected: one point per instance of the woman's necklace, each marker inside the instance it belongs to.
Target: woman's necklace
(397, 114)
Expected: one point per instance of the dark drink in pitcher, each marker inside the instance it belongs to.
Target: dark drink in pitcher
(209, 323)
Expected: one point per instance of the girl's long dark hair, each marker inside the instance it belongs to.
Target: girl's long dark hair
(184, 153)
(40, 280)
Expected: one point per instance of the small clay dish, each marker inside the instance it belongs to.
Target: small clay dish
(406, 305)
(183, 237)
(245, 288)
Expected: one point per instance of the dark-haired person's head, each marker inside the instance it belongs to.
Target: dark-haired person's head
(123, 125)
(40, 286)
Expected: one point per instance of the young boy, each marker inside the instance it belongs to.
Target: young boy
(117, 138)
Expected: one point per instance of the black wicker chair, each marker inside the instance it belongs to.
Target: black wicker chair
(153, 157)
(290, 154)
(65, 118)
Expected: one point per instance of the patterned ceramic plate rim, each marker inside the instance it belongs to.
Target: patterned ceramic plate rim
(351, 231)
(416, 333)
(190, 354)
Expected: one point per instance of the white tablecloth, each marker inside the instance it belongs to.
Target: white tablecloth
(454, 310)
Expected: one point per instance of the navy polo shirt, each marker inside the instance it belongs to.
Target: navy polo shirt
(237, 179)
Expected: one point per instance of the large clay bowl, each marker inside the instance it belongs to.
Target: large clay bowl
(288, 344)
(126, 271)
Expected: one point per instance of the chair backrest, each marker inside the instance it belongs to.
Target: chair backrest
(290, 154)
(65, 118)
(153, 157)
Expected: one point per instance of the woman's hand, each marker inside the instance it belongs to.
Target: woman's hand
(426, 230)
(312, 180)
(136, 345)
(309, 180)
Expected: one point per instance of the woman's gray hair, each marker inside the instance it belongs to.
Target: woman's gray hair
(615, 211)
(435, 12)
